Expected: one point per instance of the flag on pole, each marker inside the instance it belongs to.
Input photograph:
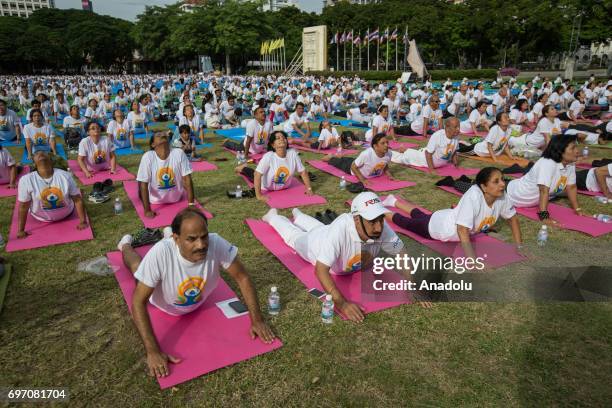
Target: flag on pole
(366, 38)
(374, 36)
(349, 36)
(262, 51)
(405, 37)
(343, 38)
(385, 36)
(357, 39)
(394, 34)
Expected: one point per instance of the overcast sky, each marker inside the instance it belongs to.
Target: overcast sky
(129, 9)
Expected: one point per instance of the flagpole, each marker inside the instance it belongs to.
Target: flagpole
(344, 54)
(387, 59)
(377, 51)
(352, 41)
(406, 49)
(337, 53)
(359, 50)
(285, 55)
(396, 52)
(368, 35)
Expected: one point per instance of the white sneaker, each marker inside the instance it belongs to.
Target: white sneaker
(167, 232)
(389, 201)
(273, 212)
(126, 240)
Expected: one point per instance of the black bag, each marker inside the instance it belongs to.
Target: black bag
(73, 138)
(356, 188)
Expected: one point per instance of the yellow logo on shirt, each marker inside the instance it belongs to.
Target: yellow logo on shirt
(3, 125)
(560, 185)
(353, 264)
(165, 178)
(448, 151)
(281, 175)
(40, 138)
(261, 138)
(121, 134)
(502, 144)
(52, 198)
(486, 224)
(190, 291)
(99, 156)
(378, 169)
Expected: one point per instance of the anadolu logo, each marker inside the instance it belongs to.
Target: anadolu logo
(190, 291)
(165, 178)
(281, 176)
(52, 198)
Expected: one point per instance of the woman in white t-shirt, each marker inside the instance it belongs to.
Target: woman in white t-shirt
(278, 111)
(548, 127)
(381, 124)
(497, 139)
(430, 119)
(518, 113)
(107, 107)
(477, 212)
(96, 152)
(192, 120)
(164, 175)
(48, 195)
(74, 121)
(328, 138)
(8, 168)
(477, 120)
(122, 101)
(317, 108)
(596, 179)
(138, 119)
(38, 135)
(120, 131)
(536, 112)
(276, 168)
(550, 176)
(440, 150)
(372, 162)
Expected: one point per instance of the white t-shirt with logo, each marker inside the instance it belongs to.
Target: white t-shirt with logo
(181, 286)
(70, 122)
(165, 177)
(51, 198)
(8, 122)
(475, 118)
(499, 103)
(435, 119)
(525, 192)
(339, 246)
(97, 155)
(472, 212)
(294, 119)
(277, 172)
(381, 124)
(591, 180)
(496, 137)
(6, 161)
(370, 165)
(326, 136)
(137, 120)
(545, 126)
(120, 132)
(40, 136)
(260, 134)
(458, 105)
(194, 124)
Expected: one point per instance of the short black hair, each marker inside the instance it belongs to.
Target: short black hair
(377, 138)
(187, 213)
(272, 139)
(184, 128)
(485, 175)
(33, 111)
(556, 147)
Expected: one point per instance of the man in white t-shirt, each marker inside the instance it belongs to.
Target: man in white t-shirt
(338, 248)
(499, 102)
(298, 122)
(164, 175)
(178, 274)
(96, 152)
(10, 125)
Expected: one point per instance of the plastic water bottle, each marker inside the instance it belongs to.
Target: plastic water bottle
(273, 301)
(543, 236)
(602, 200)
(342, 183)
(238, 191)
(585, 151)
(2, 243)
(327, 310)
(339, 150)
(602, 218)
(240, 157)
(118, 206)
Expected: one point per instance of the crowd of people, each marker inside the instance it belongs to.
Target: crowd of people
(98, 115)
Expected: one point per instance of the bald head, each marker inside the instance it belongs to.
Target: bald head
(452, 127)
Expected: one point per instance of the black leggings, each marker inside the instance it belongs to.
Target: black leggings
(235, 146)
(581, 176)
(342, 163)
(248, 173)
(418, 222)
(402, 130)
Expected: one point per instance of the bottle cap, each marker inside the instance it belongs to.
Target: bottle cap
(544, 227)
(328, 298)
(273, 289)
(237, 186)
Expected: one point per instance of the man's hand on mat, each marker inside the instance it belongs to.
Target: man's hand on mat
(263, 331)
(82, 225)
(352, 311)
(22, 234)
(150, 214)
(366, 183)
(308, 192)
(88, 174)
(581, 212)
(263, 198)
(158, 363)
(113, 171)
(11, 186)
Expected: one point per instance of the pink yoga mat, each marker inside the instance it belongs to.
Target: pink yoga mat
(480, 133)
(121, 174)
(415, 137)
(293, 196)
(203, 166)
(584, 166)
(255, 157)
(349, 285)
(205, 340)
(44, 234)
(566, 217)
(398, 145)
(382, 183)
(345, 152)
(165, 212)
(11, 192)
(449, 170)
(496, 253)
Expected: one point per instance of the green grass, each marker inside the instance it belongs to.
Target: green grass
(60, 327)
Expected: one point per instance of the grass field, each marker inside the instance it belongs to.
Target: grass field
(63, 328)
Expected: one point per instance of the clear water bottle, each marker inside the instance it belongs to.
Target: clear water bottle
(2, 243)
(602, 218)
(240, 157)
(273, 301)
(339, 150)
(238, 191)
(118, 206)
(327, 310)
(343, 183)
(585, 151)
(602, 200)
(543, 236)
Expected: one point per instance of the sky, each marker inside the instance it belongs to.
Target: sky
(129, 9)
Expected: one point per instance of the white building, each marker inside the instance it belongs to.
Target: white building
(23, 8)
(275, 5)
(334, 2)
